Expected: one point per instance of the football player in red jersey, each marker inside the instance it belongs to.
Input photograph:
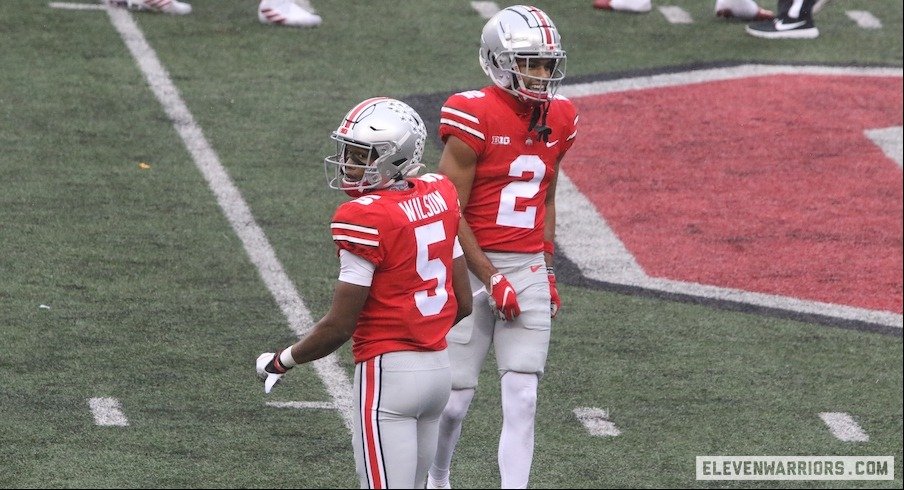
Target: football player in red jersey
(403, 283)
(503, 146)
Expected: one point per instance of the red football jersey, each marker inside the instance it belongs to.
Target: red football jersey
(507, 207)
(409, 236)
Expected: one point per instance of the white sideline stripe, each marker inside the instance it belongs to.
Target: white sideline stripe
(843, 427)
(75, 6)
(485, 9)
(890, 140)
(107, 411)
(676, 15)
(864, 19)
(596, 421)
(587, 240)
(233, 205)
(301, 405)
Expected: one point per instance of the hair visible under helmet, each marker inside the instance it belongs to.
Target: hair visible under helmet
(390, 132)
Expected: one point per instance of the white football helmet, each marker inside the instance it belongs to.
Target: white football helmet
(526, 34)
(379, 142)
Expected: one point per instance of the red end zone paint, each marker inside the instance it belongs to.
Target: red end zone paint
(764, 184)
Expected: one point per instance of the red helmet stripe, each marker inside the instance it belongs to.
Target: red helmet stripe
(351, 117)
(544, 22)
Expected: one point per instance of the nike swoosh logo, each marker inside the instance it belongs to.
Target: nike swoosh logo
(550, 144)
(781, 26)
(505, 295)
(535, 268)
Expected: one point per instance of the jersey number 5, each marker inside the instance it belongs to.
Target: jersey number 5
(525, 189)
(427, 268)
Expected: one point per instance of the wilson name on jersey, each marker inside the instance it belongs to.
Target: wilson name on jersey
(408, 236)
(506, 208)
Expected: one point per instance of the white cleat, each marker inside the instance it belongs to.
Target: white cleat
(286, 13)
(172, 7)
(270, 379)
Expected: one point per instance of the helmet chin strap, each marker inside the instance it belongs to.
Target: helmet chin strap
(539, 116)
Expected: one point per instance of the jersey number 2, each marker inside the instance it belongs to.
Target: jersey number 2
(508, 215)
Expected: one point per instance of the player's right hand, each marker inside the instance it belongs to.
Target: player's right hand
(269, 370)
(503, 298)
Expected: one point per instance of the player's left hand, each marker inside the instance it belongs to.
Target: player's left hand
(555, 303)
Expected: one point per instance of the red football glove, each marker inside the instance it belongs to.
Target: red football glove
(503, 298)
(555, 303)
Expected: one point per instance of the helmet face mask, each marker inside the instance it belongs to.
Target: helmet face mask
(537, 77)
(521, 52)
(379, 142)
(356, 165)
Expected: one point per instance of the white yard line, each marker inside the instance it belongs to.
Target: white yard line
(676, 15)
(596, 421)
(108, 412)
(485, 9)
(843, 427)
(76, 6)
(864, 19)
(233, 205)
(321, 405)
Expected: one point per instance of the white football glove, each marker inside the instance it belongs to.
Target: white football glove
(269, 378)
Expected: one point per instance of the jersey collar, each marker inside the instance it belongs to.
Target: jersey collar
(518, 106)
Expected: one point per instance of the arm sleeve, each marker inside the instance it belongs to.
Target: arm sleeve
(457, 251)
(460, 117)
(356, 228)
(354, 269)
